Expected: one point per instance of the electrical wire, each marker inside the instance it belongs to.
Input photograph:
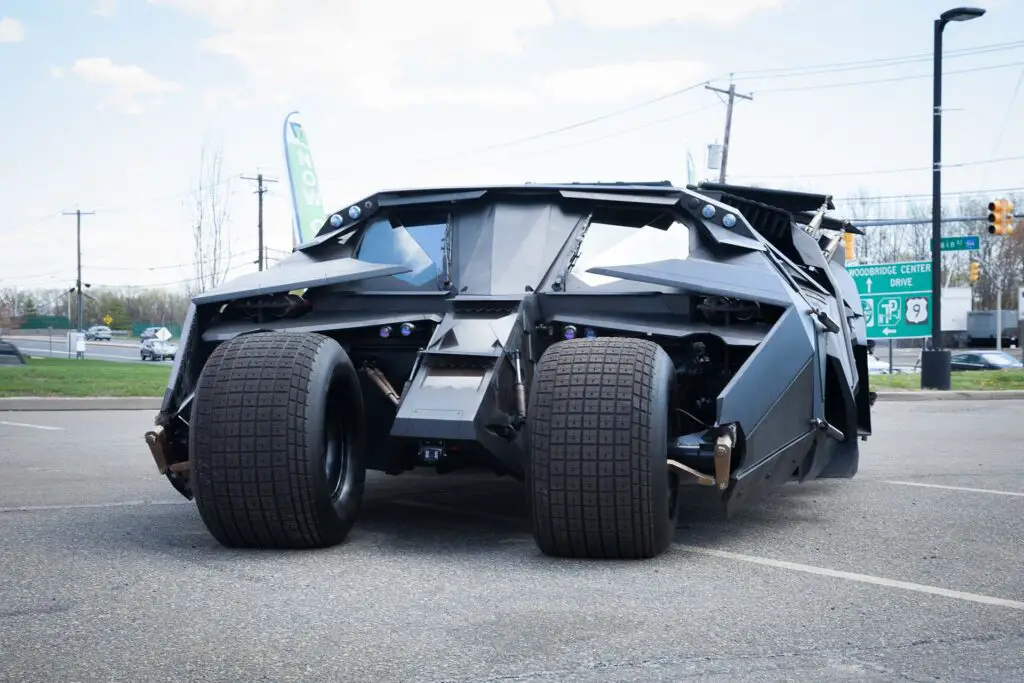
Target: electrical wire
(835, 67)
(1006, 120)
(888, 171)
(892, 79)
(888, 198)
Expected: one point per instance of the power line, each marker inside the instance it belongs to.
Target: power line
(1006, 119)
(893, 79)
(78, 213)
(169, 266)
(880, 62)
(960, 164)
(260, 192)
(900, 197)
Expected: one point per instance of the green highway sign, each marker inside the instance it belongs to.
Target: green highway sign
(897, 298)
(963, 243)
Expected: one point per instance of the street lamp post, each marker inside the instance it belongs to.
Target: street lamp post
(935, 370)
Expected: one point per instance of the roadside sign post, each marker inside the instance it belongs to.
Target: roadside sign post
(107, 320)
(897, 298)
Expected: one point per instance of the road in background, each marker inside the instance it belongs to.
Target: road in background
(58, 348)
(906, 358)
(440, 579)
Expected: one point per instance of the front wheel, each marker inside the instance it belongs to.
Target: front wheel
(597, 441)
(277, 441)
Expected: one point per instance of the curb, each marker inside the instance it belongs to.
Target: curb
(53, 403)
(931, 395)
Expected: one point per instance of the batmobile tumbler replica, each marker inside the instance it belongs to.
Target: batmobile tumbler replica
(606, 344)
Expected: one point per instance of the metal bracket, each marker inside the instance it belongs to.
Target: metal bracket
(698, 477)
(382, 383)
(824, 426)
(723, 460)
(157, 442)
(723, 463)
(825, 320)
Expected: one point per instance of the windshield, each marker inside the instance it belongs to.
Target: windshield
(605, 244)
(419, 247)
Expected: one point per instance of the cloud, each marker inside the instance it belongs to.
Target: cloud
(363, 47)
(11, 31)
(105, 8)
(646, 13)
(600, 84)
(367, 49)
(130, 83)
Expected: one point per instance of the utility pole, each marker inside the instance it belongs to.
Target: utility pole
(78, 213)
(260, 191)
(731, 92)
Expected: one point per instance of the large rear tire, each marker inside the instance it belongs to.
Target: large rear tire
(597, 438)
(277, 442)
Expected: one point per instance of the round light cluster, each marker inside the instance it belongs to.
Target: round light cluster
(708, 211)
(728, 220)
(336, 221)
(354, 212)
(571, 332)
(405, 329)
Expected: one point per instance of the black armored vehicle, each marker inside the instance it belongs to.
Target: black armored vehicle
(606, 344)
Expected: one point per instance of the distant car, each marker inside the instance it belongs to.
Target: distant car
(149, 333)
(877, 366)
(10, 354)
(154, 349)
(98, 333)
(984, 360)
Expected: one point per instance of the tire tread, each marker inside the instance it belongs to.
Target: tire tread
(255, 487)
(591, 468)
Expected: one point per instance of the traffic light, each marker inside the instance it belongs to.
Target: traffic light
(851, 253)
(1000, 217)
(975, 272)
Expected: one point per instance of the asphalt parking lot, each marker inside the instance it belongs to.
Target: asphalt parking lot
(910, 572)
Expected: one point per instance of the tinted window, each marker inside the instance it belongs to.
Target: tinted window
(418, 247)
(605, 244)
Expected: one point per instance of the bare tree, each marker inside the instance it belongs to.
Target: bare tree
(208, 209)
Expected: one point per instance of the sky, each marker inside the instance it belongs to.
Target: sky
(108, 103)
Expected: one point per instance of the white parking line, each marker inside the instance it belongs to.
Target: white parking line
(778, 564)
(861, 578)
(25, 424)
(84, 506)
(956, 488)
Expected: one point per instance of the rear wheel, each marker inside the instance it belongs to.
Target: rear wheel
(276, 441)
(598, 435)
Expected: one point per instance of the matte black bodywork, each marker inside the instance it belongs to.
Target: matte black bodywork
(757, 312)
